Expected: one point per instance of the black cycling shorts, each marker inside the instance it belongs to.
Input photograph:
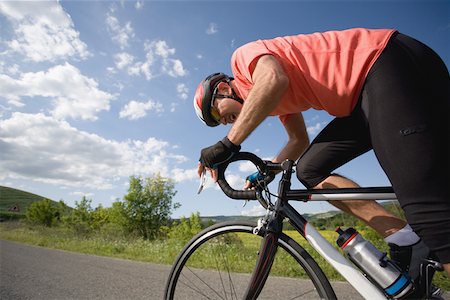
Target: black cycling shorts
(403, 115)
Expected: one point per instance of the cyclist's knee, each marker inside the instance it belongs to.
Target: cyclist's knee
(308, 177)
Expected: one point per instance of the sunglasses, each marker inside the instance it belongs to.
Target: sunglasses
(214, 112)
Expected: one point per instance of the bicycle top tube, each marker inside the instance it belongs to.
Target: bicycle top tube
(284, 191)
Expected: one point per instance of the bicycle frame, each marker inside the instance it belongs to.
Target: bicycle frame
(282, 209)
(331, 255)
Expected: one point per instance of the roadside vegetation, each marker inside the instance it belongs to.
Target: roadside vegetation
(140, 228)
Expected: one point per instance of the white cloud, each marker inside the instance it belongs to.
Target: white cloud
(135, 110)
(182, 91)
(255, 211)
(173, 106)
(316, 128)
(143, 67)
(247, 167)
(14, 69)
(160, 48)
(43, 31)
(139, 5)
(72, 94)
(173, 67)
(43, 149)
(212, 29)
(158, 57)
(236, 181)
(120, 34)
(180, 175)
(122, 60)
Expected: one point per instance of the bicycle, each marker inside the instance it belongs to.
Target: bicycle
(235, 260)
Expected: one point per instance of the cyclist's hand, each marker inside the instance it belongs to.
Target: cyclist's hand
(217, 154)
(252, 180)
(256, 179)
(201, 168)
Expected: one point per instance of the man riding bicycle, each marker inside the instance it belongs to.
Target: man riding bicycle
(388, 92)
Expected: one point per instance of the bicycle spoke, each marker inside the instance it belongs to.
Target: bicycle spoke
(203, 281)
(220, 276)
(232, 288)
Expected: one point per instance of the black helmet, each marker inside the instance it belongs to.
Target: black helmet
(204, 96)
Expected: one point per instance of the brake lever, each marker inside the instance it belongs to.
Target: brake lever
(202, 182)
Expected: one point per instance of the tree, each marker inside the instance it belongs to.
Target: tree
(81, 217)
(42, 212)
(148, 204)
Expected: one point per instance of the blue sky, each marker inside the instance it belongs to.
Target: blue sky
(94, 92)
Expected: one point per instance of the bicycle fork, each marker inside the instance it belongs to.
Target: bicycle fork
(270, 228)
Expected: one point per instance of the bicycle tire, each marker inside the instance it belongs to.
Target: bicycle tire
(191, 278)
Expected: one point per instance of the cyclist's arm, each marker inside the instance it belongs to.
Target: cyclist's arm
(298, 139)
(269, 84)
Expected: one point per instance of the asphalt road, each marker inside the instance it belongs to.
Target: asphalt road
(28, 272)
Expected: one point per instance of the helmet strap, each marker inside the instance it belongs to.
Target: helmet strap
(235, 96)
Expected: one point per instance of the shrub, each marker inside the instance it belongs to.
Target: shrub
(42, 212)
(186, 228)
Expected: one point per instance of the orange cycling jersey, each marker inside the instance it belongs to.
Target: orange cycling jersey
(326, 70)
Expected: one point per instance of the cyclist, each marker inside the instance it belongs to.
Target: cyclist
(387, 91)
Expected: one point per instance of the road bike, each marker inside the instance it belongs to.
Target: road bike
(246, 260)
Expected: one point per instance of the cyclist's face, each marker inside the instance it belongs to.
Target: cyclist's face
(225, 110)
(228, 110)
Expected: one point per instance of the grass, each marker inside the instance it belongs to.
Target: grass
(165, 251)
(12, 197)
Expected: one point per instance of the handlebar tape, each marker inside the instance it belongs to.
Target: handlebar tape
(227, 189)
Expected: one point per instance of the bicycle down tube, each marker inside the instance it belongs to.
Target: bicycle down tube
(331, 255)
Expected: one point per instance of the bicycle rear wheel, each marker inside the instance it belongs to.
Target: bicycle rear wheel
(218, 264)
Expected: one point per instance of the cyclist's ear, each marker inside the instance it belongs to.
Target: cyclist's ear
(224, 88)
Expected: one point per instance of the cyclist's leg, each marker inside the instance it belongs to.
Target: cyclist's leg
(339, 142)
(408, 97)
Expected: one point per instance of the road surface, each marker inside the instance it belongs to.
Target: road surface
(29, 272)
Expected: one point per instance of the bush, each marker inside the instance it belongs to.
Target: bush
(186, 228)
(42, 212)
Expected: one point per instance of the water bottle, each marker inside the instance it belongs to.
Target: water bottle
(374, 264)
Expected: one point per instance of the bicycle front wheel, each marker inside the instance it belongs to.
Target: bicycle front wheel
(218, 264)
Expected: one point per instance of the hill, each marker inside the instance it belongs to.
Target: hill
(326, 220)
(14, 201)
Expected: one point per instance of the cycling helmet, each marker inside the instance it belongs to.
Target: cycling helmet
(203, 99)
